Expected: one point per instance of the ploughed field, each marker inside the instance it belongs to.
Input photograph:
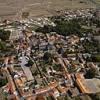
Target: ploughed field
(9, 8)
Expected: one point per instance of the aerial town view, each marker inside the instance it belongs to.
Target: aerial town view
(49, 49)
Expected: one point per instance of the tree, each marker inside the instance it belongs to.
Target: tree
(3, 82)
(47, 57)
(96, 58)
(2, 46)
(45, 29)
(95, 96)
(62, 27)
(30, 63)
(91, 73)
(68, 27)
(57, 67)
(4, 35)
(76, 98)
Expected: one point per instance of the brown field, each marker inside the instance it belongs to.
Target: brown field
(98, 1)
(9, 8)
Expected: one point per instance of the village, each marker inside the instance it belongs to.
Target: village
(41, 59)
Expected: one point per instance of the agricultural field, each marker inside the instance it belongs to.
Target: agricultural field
(98, 1)
(9, 8)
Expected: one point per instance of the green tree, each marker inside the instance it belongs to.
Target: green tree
(47, 57)
(68, 27)
(45, 29)
(2, 45)
(3, 82)
(62, 27)
(96, 58)
(30, 63)
(95, 96)
(91, 73)
(57, 67)
(4, 35)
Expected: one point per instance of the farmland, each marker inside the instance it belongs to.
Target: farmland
(9, 8)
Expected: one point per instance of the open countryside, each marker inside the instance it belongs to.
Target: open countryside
(9, 8)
